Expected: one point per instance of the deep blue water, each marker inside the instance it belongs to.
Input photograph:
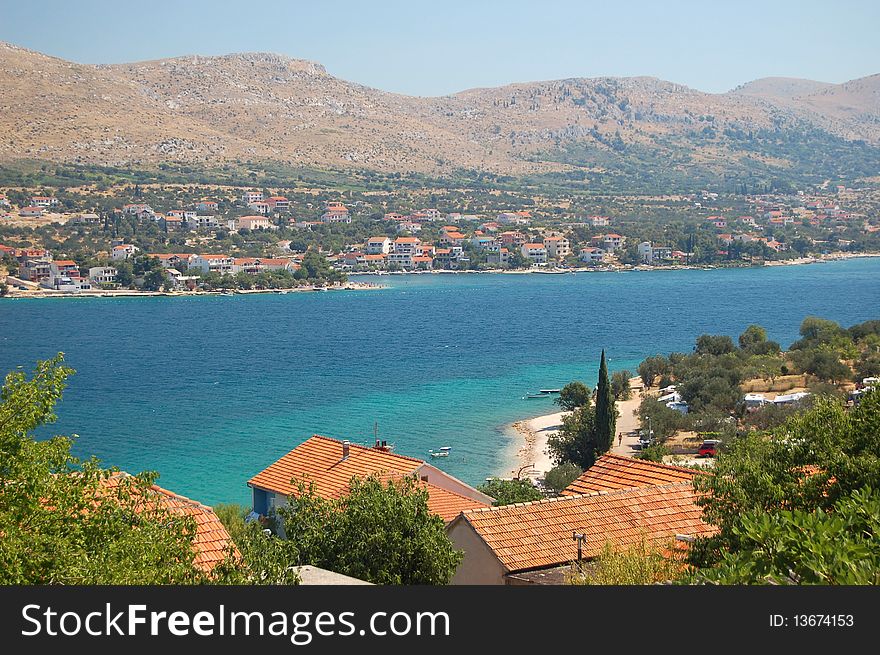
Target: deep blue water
(210, 390)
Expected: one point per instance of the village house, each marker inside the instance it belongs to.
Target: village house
(718, 221)
(536, 252)
(260, 207)
(201, 221)
(137, 209)
(207, 206)
(512, 238)
(609, 242)
(534, 543)
(591, 255)
(491, 226)
(376, 261)
(33, 212)
(338, 213)
(612, 471)
(64, 268)
(211, 541)
(34, 264)
(179, 261)
(407, 226)
(499, 257)
(185, 214)
(599, 221)
(452, 238)
(558, 247)
(171, 223)
(123, 251)
(650, 254)
(406, 246)
(44, 201)
(103, 275)
(212, 263)
(394, 216)
(254, 223)
(330, 464)
(378, 246)
(515, 218)
(251, 196)
(278, 203)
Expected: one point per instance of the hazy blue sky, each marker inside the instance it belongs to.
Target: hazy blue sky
(439, 47)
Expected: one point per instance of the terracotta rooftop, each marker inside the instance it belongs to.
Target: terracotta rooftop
(319, 460)
(211, 540)
(618, 472)
(536, 535)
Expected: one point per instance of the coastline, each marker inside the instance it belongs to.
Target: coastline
(130, 293)
(623, 268)
(533, 434)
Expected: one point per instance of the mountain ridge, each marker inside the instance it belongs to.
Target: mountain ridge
(261, 106)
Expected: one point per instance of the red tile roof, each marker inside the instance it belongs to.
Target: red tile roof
(618, 472)
(212, 540)
(319, 460)
(539, 534)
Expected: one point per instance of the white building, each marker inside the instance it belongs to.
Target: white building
(103, 274)
(212, 263)
(592, 255)
(254, 223)
(378, 246)
(251, 196)
(123, 251)
(535, 252)
(558, 247)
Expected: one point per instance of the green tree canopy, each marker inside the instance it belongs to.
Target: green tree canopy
(573, 395)
(559, 477)
(382, 532)
(61, 520)
(508, 492)
(606, 412)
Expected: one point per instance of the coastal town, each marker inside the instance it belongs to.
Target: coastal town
(85, 241)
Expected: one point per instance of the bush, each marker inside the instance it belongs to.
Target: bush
(559, 477)
(508, 492)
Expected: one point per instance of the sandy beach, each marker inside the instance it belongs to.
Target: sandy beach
(536, 431)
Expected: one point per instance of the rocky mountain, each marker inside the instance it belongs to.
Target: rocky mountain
(259, 107)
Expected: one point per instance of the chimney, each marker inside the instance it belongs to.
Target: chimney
(346, 446)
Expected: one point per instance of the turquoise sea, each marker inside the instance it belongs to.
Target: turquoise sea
(210, 390)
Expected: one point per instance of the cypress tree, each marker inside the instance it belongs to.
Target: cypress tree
(606, 413)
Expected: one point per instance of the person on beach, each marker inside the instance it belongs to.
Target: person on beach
(619, 438)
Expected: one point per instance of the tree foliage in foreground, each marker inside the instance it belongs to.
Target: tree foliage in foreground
(382, 532)
(573, 395)
(815, 460)
(642, 563)
(839, 547)
(60, 522)
(508, 492)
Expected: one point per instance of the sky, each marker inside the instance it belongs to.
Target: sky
(436, 48)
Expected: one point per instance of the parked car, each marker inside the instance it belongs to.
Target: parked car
(709, 448)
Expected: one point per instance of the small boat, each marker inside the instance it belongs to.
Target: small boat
(537, 395)
(550, 390)
(441, 452)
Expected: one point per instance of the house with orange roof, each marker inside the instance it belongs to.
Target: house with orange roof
(212, 263)
(524, 543)
(211, 543)
(278, 203)
(330, 464)
(591, 255)
(558, 247)
(612, 471)
(64, 268)
(179, 261)
(260, 206)
(535, 252)
(609, 242)
(32, 212)
(206, 205)
(514, 218)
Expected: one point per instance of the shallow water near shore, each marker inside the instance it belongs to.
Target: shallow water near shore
(209, 390)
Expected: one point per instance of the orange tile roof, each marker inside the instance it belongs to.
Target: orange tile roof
(619, 472)
(448, 504)
(211, 541)
(319, 460)
(65, 262)
(539, 534)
